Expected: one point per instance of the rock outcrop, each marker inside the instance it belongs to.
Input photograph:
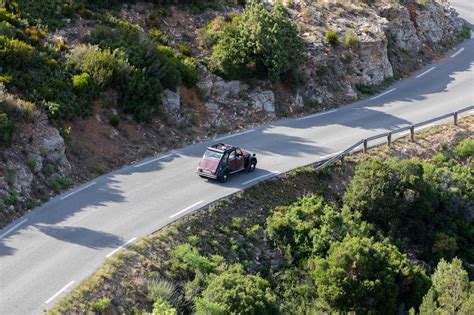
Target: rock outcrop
(36, 159)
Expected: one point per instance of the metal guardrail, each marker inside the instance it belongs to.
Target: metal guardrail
(388, 135)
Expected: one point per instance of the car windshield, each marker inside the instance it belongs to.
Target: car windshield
(212, 155)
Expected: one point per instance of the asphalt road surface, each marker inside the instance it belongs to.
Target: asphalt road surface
(49, 251)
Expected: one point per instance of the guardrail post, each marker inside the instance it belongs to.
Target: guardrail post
(455, 118)
(412, 133)
(365, 146)
(389, 139)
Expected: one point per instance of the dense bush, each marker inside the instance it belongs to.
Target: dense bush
(362, 275)
(141, 96)
(465, 149)
(106, 68)
(310, 225)
(417, 203)
(153, 67)
(451, 292)
(233, 292)
(15, 53)
(258, 44)
(394, 195)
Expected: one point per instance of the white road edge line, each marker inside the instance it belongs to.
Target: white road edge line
(260, 177)
(384, 93)
(426, 72)
(76, 191)
(186, 209)
(235, 135)
(154, 160)
(318, 114)
(12, 228)
(120, 247)
(59, 292)
(457, 52)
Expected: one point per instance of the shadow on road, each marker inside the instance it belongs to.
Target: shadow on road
(81, 236)
(266, 140)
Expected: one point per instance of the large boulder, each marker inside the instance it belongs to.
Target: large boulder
(401, 28)
(438, 22)
(263, 101)
(373, 65)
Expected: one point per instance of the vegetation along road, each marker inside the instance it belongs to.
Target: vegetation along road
(49, 251)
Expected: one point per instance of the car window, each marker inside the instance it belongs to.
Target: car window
(232, 155)
(212, 155)
(238, 152)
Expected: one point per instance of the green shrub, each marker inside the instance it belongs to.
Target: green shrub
(366, 89)
(11, 199)
(159, 36)
(212, 31)
(309, 226)
(188, 70)
(15, 53)
(161, 307)
(61, 183)
(361, 275)
(465, 31)
(114, 120)
(184, 49)
(351, 40)
(81, 82)
(233, 292)
(7, 128)
(394, 195)
(187, 258)
(106, 68)
(101, 304)
(53, 109)
(465, 149)
(331, 37)
(141, 96)
(450, 290)
(258, 44)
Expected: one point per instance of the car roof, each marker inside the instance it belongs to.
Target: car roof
(221, 147)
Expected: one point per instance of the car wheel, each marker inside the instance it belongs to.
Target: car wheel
(252, 166)
(222, 178)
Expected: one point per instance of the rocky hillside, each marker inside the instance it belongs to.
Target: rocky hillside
(71, 111)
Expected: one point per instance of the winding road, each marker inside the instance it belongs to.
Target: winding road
(49, 251)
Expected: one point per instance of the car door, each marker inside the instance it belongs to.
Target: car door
(232, 161)
(239, 159)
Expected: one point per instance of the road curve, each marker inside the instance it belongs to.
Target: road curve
(52, 249)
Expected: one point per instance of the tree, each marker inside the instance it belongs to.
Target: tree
(450, 290)
(362, 275)
(232, 292)
(309, 226)
(395, 196)
(259, 44)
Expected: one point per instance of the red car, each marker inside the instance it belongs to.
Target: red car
(221, 160)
